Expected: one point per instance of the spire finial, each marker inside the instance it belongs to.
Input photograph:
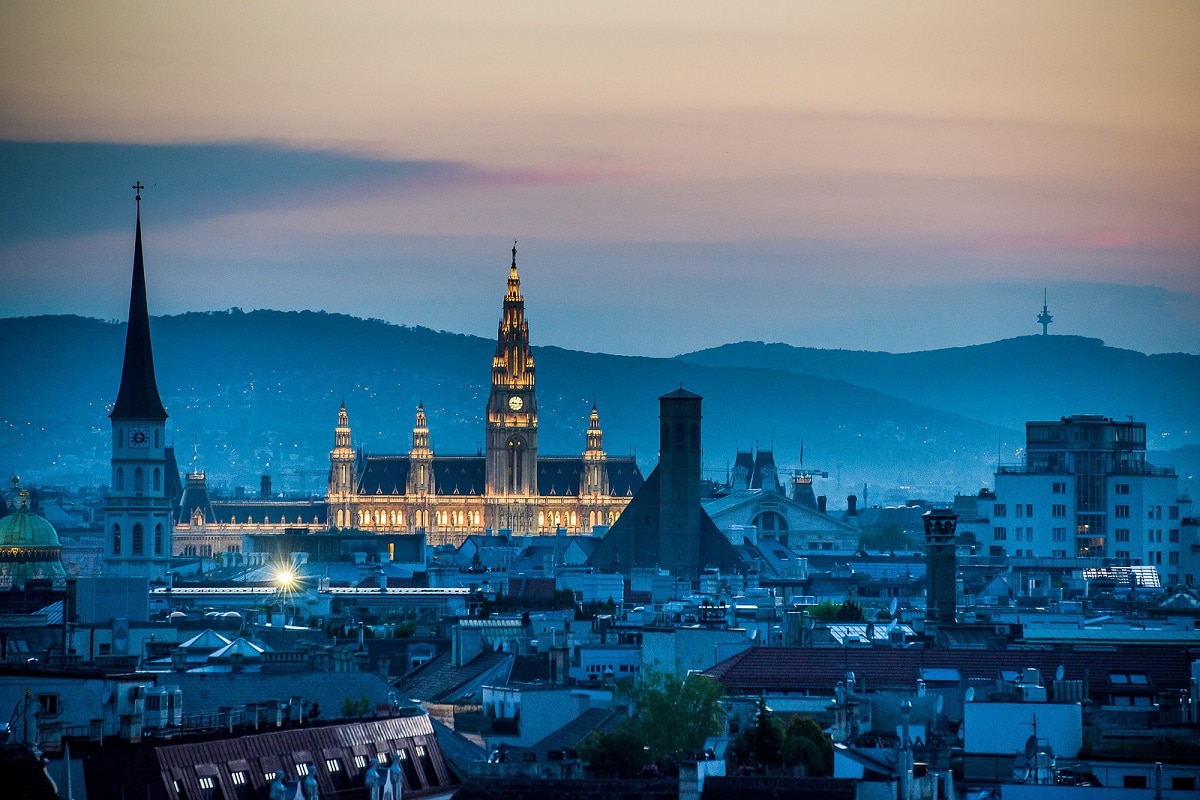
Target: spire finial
(514, 261)
(137, 187)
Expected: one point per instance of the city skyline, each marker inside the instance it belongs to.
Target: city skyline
(866, 177)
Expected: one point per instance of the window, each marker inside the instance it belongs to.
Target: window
(157, 479)
(1173, 535)
(158, 539)
(1029, 509)
(360, 762)
(120, 480)
(1173, 558)
(333, 765)
(999, 534)
(1059, 553)
(116, 540)
(269, 776)
(1020, 510)
(1058, 510)
(139, 539)
(1121, 512)
(48, 704)
(302, 770)
(1121, 488)
(1121, 534)
(139, 480)
(999, 510)
(1059, 488)
(1121, 555)
(1059, 534)
(1173, 512)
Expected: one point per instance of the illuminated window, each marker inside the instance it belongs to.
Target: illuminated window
(238, 778)
(302, 769)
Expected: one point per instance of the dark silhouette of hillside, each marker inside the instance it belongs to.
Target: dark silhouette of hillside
(258, 392)
(1007, 382)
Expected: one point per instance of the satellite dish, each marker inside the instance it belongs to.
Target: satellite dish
(958, 734)
(970, 696)
(1058, 673)
(1031, 747)
(892, 607)
(939, 705)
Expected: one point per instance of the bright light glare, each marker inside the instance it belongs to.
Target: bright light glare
(285, 578)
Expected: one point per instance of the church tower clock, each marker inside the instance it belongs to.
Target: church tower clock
(511, 439)
(138, 512)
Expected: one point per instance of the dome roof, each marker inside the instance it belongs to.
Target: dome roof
(22, 528)
(29, 547)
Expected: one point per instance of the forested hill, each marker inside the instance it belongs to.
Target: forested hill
(258, 392)
(1007, 382)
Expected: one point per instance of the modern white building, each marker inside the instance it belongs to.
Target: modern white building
(1085, 489)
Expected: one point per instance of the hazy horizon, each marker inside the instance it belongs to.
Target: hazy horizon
(866, 176)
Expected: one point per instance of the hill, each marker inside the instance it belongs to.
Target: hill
(253, 393)
(1009, 381)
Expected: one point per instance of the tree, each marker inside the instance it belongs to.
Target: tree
(760, 747)
(806, 745)
(613, 754)
(675, 715)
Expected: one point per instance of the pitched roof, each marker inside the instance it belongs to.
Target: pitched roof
(440, 678)
(818, 669)
(558, 476)
(138, 397)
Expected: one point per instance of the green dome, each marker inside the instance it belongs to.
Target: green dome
(29, 546)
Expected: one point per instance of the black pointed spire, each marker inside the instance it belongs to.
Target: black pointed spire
(138, 396)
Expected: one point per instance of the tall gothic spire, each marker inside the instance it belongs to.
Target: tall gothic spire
(512, 366)
(138, 396)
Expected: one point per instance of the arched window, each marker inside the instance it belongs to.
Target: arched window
(139, 539)
(116, 540)
(139, 480)
(157, 479)
(158, 539)
(120, 481)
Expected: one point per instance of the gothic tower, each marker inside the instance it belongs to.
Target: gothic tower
(679, 481)
(511, 439)
(594, 484)
(341, 473)
(138, 513)
(420, 469)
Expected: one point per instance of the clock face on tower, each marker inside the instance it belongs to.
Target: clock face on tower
(139, 437)
(515, 402)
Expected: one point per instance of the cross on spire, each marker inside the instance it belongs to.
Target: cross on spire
(137, 187)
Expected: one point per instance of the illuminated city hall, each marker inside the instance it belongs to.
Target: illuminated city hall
(510, 485)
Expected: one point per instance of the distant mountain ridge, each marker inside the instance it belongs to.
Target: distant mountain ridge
(258, 392)
(1007, 382)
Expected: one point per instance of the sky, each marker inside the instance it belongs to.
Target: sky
(864, 175)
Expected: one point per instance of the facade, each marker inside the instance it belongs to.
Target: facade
(509, 486)
(1085, 489)
(138, 511)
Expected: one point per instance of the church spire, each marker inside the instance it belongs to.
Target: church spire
(138, 396)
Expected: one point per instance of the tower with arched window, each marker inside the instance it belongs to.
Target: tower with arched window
(138, 511)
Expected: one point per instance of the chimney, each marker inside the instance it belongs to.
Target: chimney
(821, 503)
(264, 488)
(941, 570)
(852, 505)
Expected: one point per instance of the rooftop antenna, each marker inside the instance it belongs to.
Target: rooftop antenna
(1044, 319)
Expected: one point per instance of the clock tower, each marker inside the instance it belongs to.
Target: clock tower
(138, 512)
(512, 418)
